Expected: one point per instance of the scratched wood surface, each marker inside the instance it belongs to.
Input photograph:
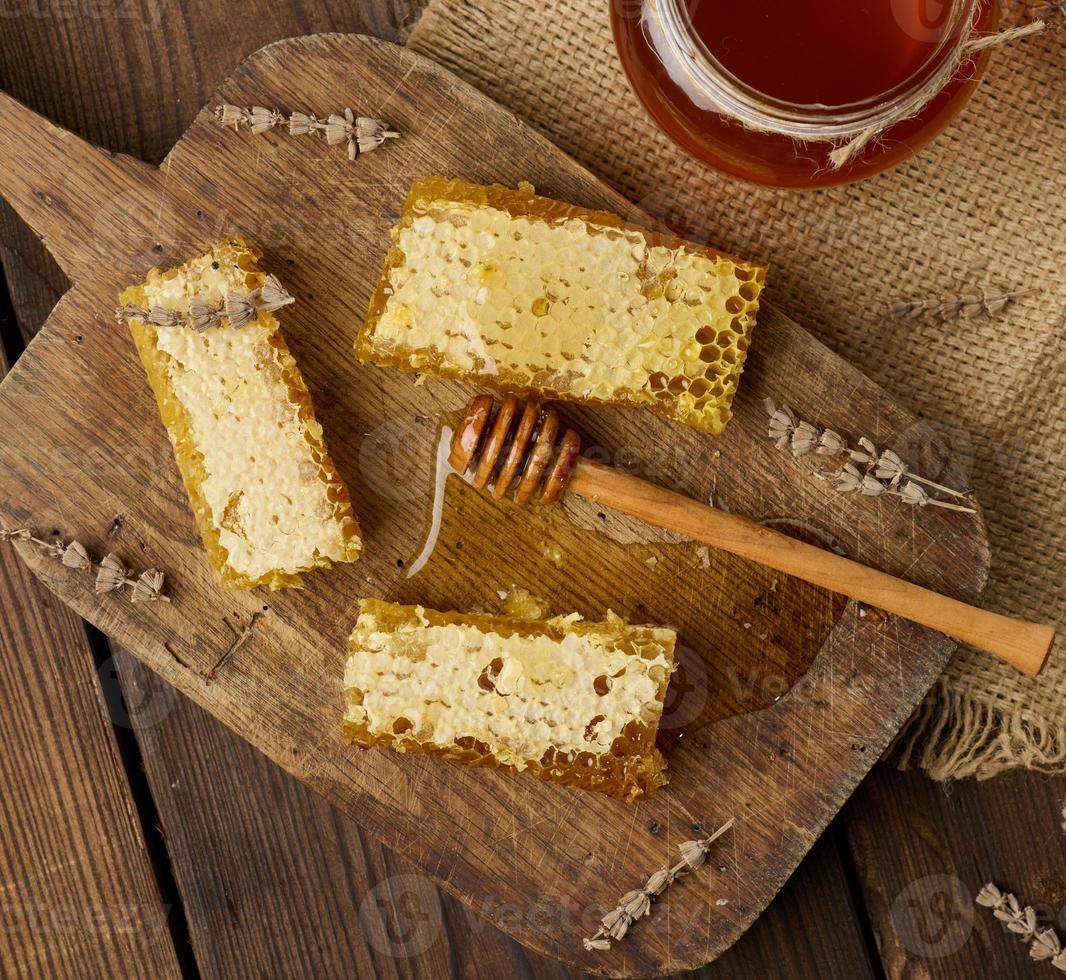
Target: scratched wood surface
(244, 845)
(65, 814)
(783, 770)
(277, 883)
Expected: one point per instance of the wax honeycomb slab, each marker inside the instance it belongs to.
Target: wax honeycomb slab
(569, 701)
(523, 293)
(267, 498)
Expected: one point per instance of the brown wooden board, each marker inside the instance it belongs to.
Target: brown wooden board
(82, 445)
(275, 881)
(947, 841)
(271, 867)
(77, 894)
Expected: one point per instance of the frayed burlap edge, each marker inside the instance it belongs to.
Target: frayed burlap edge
(955, 735)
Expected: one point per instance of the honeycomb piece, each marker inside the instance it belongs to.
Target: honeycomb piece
(522, 293)
(267, 498)
(571, 702)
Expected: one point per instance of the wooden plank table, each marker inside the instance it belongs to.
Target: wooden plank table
(138, 837)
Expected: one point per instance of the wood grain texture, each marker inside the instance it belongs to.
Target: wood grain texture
(277, 882)
(274, 881)
(110, 73)
(77, 893)
(785, 770)
(247, 881)
(924, 850)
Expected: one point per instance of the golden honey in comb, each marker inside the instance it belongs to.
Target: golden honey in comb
(267, 498)
(569, 701)
(523, 293)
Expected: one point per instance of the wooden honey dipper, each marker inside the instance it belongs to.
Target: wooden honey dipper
(528, 447)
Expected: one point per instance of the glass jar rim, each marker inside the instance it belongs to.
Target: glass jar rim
(712, 86)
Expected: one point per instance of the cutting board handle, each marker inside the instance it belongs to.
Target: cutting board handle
(81, 200)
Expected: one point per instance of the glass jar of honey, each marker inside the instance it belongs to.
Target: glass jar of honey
(767, 90)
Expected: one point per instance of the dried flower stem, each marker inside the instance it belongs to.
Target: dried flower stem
(239, 309)
(987, 300)
(111, 574)
(884, 472)
(637, 904)
(1044, 943)
(361, 133)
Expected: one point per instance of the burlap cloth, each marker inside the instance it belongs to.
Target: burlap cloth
(984, 205)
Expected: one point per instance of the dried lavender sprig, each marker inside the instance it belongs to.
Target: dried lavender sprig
(891, 468)
(1044, 944)
(239, 309)
(111, 574)
(990, 301)
(852, 480)
(637, 904)
(885, 472)
(362, 134)
(887, 465)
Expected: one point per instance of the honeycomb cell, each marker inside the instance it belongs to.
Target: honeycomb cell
(569, 701)
(613, 295)
(267, 498)
(749, 291)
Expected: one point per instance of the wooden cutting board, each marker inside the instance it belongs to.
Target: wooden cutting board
(786, 695)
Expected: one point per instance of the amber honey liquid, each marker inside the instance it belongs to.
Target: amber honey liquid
(746, 634)
(829, 52)
(809, 53)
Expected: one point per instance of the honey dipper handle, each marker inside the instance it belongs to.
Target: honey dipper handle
(1023, 645)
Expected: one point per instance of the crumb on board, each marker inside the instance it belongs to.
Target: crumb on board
(554, 553)
(520, 603)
